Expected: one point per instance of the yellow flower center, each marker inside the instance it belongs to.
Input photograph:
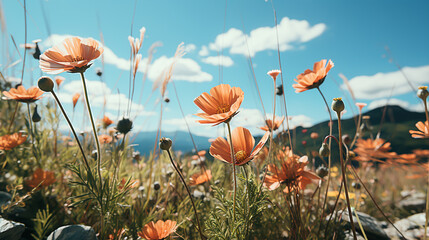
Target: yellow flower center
(223, 108)
(240, 156)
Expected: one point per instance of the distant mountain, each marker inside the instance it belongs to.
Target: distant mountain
(181, 141)
(397, 123)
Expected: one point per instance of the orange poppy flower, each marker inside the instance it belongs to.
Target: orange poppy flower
(7, 142)
(158, 230)
(293, 174)
(75, 98)
(313, 79)
(423, 130)
(106, 121)
(199, 178)
(220, 105)
(21, 95)
(105, 139)
(242, 142)
(73, 54)
(41, 178)
(373, 150)
(269, 122)
(59, 80)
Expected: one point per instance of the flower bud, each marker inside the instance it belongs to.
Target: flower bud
(346, 139)
(165, 143)
(356, 185)
(124, 126)
(279, 90)
(37, 51)
(166, 99)
(322, 171)
(352, 155)
(324, 150)
(94, 154)
(337, 105)
(36, 117)
(45, 84)
(99, 72)
(156, 186)
(423, 93)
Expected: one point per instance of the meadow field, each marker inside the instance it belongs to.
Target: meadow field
(98, 143)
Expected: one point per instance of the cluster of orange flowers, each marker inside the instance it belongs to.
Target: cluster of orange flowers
(7, 142)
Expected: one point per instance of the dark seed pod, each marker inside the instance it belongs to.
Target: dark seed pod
(36, 117)
(124, 126)
(156, 186)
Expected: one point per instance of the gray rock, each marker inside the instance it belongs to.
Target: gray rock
(4, 198)
(10, 229)
(73, 232)
(413, 203)
(370, 225)
(412, 227)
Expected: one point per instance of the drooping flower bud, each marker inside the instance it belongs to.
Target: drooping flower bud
(124, 126)
(338, 105)
(165, 143)
(99, 72)
(324, 150)
(322, 171)
(36, 117)
(156, 186)
(37, 52)
(166, 99)
(279, 90)
(45, 84)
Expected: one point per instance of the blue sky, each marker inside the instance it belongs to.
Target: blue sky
(351, 33)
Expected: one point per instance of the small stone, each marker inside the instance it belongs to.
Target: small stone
(369, 224)
(10, 229)
(73, 232)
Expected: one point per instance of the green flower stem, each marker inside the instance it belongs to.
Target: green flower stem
(94, 129)
(343, 172)
(233, 168)
(189, 193)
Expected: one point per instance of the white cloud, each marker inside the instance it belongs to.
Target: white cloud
(190, 47)
(251, 119)
(394, 101)
(99, 94)
(185, 69)
(218, 60)
(204, 51)
(380, 85)
(291, 33)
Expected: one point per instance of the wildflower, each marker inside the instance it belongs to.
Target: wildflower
(269, 122)
(21, 95)
(314, 135)
(313, 79)
(423, 130)
(59, 80)
(243, 143)
(73, 55)
(41, 178)
(106, 121)
(75, 98)
(158, 230)
(199, 178)
(220, 105)
(105, 139)
(293, 174)
(372, 150)
(202, 153)
(274, 74)
(360, 105)
(7, 142)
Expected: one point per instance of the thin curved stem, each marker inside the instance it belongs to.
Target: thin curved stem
(343, 172)
(329, 158)
(94, 129)
(189, 193)
(32, 135)
(357, 129)
(233, 168)
(427, 194)
(72, 130)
